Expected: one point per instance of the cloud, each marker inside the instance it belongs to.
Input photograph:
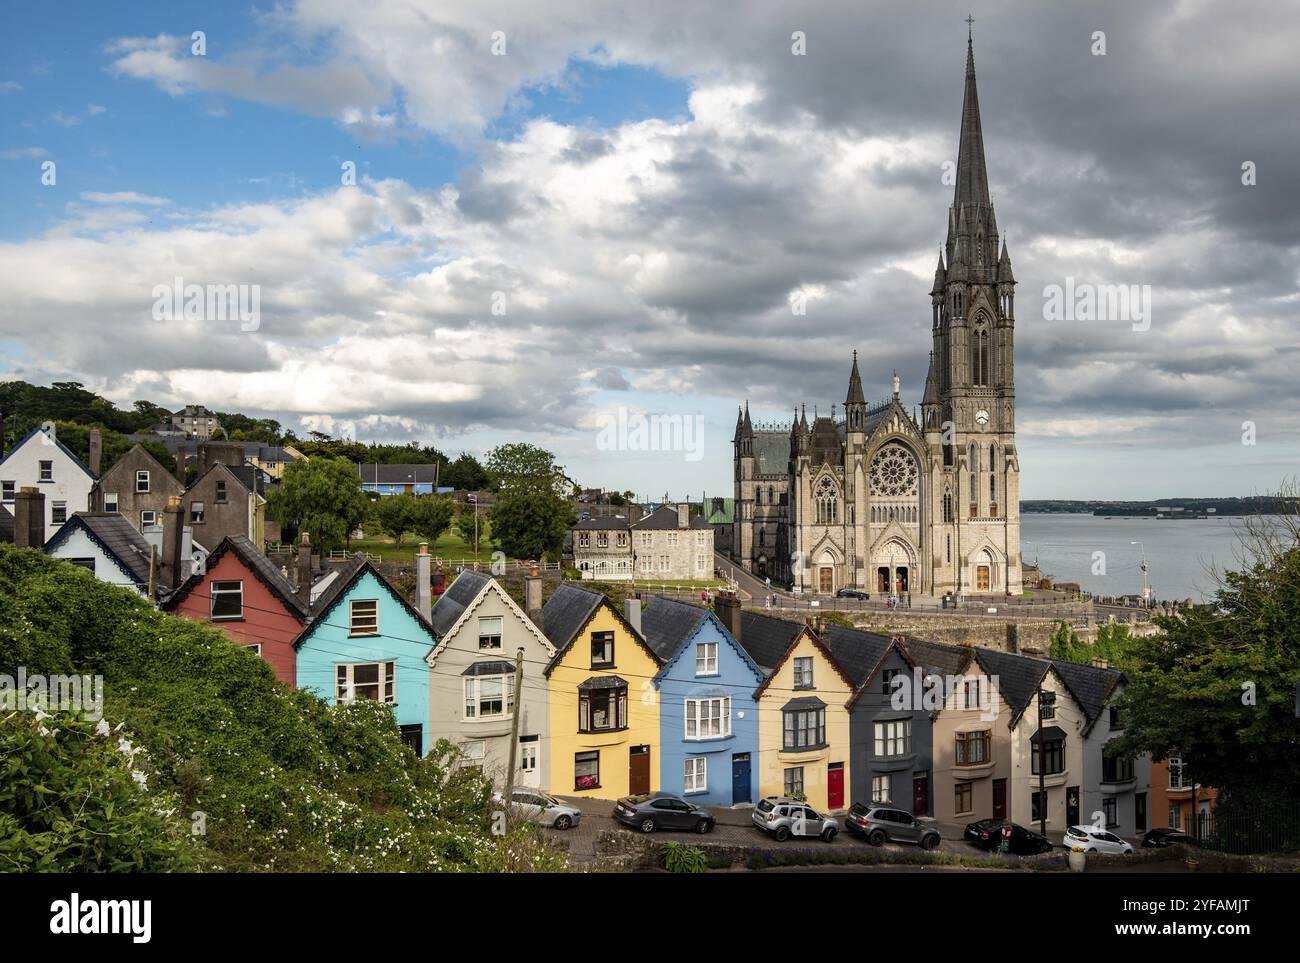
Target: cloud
(123, 197)
(24, 153)
(10, 87)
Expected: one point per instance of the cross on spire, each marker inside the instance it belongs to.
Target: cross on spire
(970, 24)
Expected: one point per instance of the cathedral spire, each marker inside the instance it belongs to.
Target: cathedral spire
(972, 176)
(855, 396)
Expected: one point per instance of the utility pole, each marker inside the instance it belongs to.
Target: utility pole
(514, 732)
(1042, 768)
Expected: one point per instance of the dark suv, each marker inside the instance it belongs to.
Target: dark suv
(655, 810)
(880, 823)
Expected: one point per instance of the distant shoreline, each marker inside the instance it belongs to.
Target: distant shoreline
(1169, 508)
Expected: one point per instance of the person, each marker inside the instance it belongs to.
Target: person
(704, 595)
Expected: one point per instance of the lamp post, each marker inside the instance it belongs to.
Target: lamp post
(1146, 588)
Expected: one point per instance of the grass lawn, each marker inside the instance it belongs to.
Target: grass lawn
(450, 547)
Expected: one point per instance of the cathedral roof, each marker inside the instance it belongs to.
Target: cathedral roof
(826, 441)
(771, 452)
(855, 385)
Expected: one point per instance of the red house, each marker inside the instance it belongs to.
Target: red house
(243, 594)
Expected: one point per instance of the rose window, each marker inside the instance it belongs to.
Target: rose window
(893, 472)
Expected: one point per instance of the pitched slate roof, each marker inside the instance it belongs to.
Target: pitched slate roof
(458, 597)
(937, 656)
(771, 452)
(569, 609)
(602, 522)
(262, 568)
(664, 518)
(348, 576)
(667, 623)
(1089, 684)
(344, 578)
(1018, 677)
(858, 652)
(766, 638)
(116, 536)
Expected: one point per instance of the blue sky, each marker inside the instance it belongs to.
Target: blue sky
(617, 209)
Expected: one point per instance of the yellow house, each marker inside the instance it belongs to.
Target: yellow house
(604, 708)
(803, 722)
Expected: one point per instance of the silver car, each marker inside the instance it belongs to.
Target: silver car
(541, 807)
(783, 817)
(880, 823)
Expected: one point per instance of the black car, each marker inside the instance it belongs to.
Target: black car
(1162, 838)
(658, 810)
(848, 593)
(987, 834)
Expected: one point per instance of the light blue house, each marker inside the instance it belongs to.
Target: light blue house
(365, 641)
(708, 719)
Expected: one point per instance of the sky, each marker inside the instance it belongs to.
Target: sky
(469, 223)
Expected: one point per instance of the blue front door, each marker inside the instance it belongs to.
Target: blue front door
(740, 778)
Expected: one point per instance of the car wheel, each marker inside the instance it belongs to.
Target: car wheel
(647, 825)
(563, 822)
(1128, 852)
(828, 834)
(877, 837)
(782, 833)
(703, 826)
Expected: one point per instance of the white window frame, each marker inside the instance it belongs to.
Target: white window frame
(527, 756)
(214, 591)
(695, 775)
(487, 630)
(706, 658)
(880, 790)
(708, 718)
(472, 704)
(44, 473)
(345, 681)
(151, 520)
(8, 491)
(196, 517)
(142, 475)
(255, 646)
(798, 665)
(361, 625)
(110, 501)
(890, 735)
(57, 509)
(473, 753)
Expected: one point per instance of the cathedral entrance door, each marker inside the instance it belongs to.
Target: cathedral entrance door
(982, 578)
(826, 575)
(762, 568)
(882, 580)
(900, 579)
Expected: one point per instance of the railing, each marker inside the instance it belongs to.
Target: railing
(1269, 832)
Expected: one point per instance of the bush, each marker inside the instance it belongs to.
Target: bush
(684, 859)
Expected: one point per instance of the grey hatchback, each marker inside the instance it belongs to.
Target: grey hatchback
(783, 817)
(880, 823)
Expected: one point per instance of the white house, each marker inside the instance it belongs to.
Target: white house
(108, 545)
(44, 462)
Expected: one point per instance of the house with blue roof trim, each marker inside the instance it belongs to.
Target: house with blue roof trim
(707, 712)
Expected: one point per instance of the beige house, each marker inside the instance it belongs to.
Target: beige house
(671, 543)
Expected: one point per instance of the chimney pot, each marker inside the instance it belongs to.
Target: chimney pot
(533, 597)
(423, 582)
(632, 612)
(29, 517)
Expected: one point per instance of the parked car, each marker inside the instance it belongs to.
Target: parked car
(987, 834)
(1086, 839)
(783, 817)
(848, 593)
(533, 804)
(658, 810)
(880, 823)
(1162, 838)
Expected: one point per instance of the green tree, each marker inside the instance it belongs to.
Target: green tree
(530, 523)
(432, 517)
(322, 497)
(522, 466)
(1218, 687)
(465, 525)
(397, 514)
(466, 474)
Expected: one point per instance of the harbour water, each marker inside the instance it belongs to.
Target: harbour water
(1178, 552)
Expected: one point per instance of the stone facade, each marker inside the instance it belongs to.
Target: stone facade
(669, 544)
(137, 487)
(876, 499)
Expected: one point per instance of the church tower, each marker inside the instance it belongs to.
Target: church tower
(968, 410)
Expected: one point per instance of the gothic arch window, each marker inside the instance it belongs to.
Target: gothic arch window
(974, 476)
(947, 504)
(827, 498)
(762, 539)
(993, 473)
(771, 499)
(979, 354)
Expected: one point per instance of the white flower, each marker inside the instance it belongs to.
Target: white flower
(139, 777)
(124, 746)
(102, 728)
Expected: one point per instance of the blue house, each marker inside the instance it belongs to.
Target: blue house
(365, 641)
(708, 719)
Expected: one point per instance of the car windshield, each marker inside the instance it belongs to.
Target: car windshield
(766, 806)
(645, 797)
(1078, 832)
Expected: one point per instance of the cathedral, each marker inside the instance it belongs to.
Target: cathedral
(876, 500)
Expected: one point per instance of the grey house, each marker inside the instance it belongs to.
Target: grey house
(480, 628)
(890, 745)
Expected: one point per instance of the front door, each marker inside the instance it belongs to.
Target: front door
(882, 580)
(1140, 812)
(1071, 805)
(826, 580)
(900, 580)
(835, 785)
(762, 568)
(638, 770)
(740, 792)
(999, 799)
(982, 581)
(529, 772)
(921, 795)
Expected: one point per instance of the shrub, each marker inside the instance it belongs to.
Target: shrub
(684, 859)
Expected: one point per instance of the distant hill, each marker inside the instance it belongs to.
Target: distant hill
(1251, 505)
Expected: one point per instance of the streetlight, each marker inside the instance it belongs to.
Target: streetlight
(1146, 588)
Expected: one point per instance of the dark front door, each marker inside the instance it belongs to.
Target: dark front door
(740, 778)
(999, 799)
(762, 568)
(900, 580)
(638, 770)
(1140, 812)
(882, 580)
(1071, 805)
(835, 785)
(920, 795)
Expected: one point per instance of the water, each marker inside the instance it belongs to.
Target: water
(1178, 552)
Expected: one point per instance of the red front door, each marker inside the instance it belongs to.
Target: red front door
(835, 785)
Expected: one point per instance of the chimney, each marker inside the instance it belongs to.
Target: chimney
(96, 450)
(173, 543)
(49, 429)
(423, 589)
(29, 518)
(684, 515)
(632, 612)
(727, 606)
(533, 595)
(304, 569)
(180, 462)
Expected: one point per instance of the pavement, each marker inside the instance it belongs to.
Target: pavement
(733, 827)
